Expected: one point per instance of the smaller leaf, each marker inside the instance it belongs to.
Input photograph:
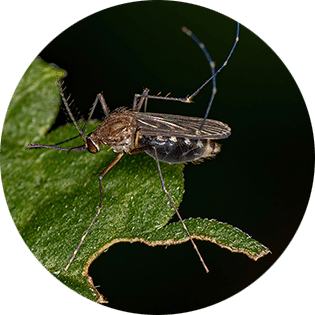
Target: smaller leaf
(28, 119)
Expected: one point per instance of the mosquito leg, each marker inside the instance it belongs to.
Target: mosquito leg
(138, 104)
(107, 168)
(212, 66)
(177, 212)
(138, 150)
(137, 138)
(145, 104)
(223, 65)
(165, 98)
(189, 98)
(66, 140)
(91, 113)
(103, 103)
(214, 75)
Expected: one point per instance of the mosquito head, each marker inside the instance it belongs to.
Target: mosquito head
(92, 144)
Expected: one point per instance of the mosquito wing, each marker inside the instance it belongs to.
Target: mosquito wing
(153, 124)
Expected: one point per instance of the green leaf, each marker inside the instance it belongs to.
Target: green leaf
(53, 196)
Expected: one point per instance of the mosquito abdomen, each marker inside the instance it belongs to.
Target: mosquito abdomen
(179, 150)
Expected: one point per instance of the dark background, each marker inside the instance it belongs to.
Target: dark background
(260, 182)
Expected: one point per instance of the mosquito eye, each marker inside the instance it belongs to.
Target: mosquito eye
(91, 146)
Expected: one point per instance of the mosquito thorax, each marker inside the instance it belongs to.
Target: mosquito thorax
(118, 130)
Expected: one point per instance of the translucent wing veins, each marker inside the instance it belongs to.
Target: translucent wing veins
(180, 126)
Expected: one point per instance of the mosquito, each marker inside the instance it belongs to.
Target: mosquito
(166, 138)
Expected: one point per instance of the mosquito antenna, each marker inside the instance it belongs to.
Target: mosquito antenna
(65, 101)
(212, 66)
(100, 98)
(81, 132)
(214, 75)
